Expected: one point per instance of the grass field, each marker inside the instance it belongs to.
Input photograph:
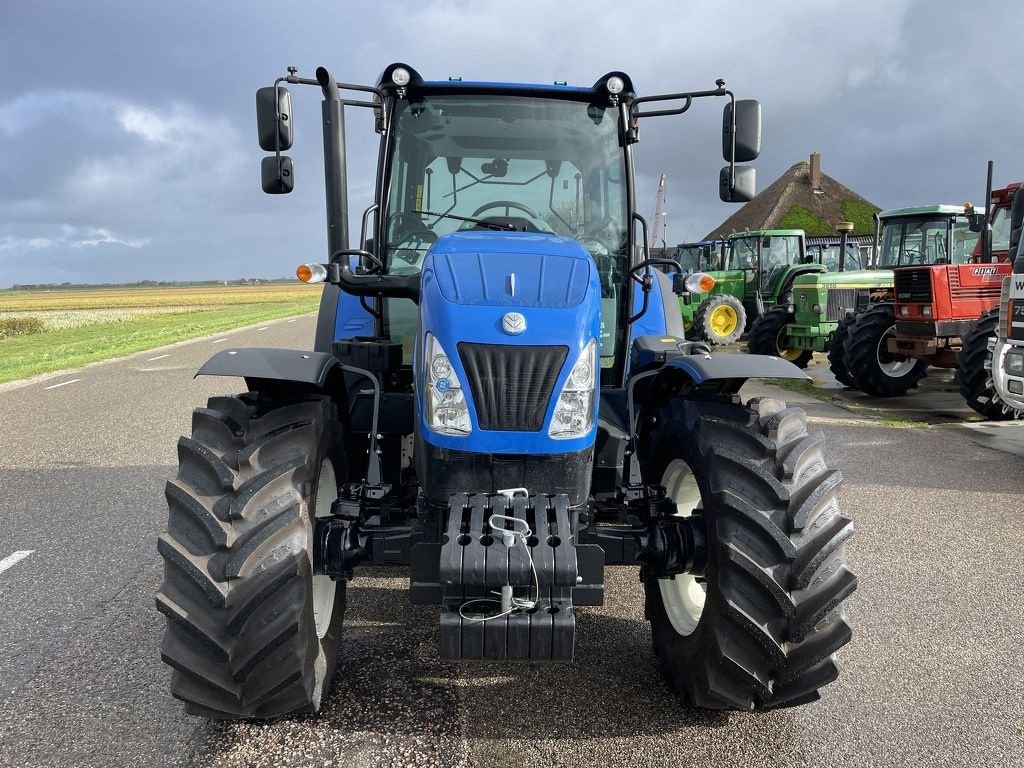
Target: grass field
(43, 331)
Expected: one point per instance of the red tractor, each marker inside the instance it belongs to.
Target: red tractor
(946, 286)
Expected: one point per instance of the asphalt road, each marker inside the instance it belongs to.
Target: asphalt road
(933, 675)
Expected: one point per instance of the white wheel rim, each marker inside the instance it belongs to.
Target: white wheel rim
(894, 369)
(324, 587)
(683, 596)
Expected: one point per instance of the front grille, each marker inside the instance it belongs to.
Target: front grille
(839, 302)
(511, 385)
(914, 285)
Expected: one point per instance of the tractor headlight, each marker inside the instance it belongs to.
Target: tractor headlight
(446, 408)
(817, 309)
(926, 311)
(1014, 364)
(615, 84)
(904, 310)
(574, 411)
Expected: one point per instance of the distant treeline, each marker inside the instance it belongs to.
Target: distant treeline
(148, 284)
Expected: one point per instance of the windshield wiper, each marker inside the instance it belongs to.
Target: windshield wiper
(481, 222)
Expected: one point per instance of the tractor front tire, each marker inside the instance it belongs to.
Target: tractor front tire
(720, 319)
(251, 631)
(759, 630)
(974, 371)
(768, 334)
(870, 366)
(837, 350)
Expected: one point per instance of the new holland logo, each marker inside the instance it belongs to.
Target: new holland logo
(513, 323)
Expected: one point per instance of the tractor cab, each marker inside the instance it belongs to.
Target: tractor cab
(705, 256)
(769, 259)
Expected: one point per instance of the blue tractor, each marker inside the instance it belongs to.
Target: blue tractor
(500, 398)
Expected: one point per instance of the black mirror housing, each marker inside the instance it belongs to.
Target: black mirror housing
(271, 103)
(277, 179)
(748, 130)
(976, 221)
(744, 185)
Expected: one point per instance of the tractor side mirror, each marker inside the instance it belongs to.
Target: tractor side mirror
(748, 130)
(274, 118)
(976, 221)
(276, 172)
(744, 185)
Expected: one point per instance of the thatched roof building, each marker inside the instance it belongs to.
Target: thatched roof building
(802, 198)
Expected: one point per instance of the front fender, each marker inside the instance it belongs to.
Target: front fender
(703, 368)
(267, 364)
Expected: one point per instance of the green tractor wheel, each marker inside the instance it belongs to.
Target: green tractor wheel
(872, 368)
(837, 350)
(720, 320)
(768, 337)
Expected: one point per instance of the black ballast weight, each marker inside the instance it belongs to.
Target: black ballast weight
(476, 562)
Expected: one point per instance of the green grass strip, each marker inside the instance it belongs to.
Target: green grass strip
(23, 356)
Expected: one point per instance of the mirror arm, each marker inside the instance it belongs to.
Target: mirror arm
(732, 153)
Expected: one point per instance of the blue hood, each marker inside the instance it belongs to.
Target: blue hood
(467, 289)
(511, 269)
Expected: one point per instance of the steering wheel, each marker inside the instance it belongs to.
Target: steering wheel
(506, 204)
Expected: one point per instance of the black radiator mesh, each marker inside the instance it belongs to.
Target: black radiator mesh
(511, 385)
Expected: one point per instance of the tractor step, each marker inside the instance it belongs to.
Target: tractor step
(535, 561)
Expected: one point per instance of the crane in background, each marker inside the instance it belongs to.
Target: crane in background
(659, 212)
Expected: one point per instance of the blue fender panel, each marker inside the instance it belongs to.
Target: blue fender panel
(701, 368)
(267, 363)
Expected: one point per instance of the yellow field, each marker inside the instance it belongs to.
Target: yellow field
(182, 298)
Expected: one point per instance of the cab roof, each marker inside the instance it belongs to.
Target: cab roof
(771, 232)
(922, 210)
(557, 90)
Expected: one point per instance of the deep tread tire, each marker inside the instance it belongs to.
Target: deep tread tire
(237, 590)
(765, 333)
(777, 573)
(861, 355)
(705, 329)
(974, 372)
(837, 351)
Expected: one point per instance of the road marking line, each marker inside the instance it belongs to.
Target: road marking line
(62, 384)
(14, 558)
(158, 357)
(293, 320)
(263, 328)
(218, 341)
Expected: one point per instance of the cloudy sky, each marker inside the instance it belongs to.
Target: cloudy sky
(127, 132)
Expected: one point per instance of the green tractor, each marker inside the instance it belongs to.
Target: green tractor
(826, 306)
(821, 303)
(757, 274)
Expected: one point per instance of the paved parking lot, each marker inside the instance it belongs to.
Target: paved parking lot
(932, 676)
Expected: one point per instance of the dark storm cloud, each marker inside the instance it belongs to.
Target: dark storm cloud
(127, 136)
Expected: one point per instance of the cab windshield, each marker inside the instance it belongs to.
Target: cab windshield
(519, 163)
(1001, 229)
(507, 163)
(698, 258)
(935, 240)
